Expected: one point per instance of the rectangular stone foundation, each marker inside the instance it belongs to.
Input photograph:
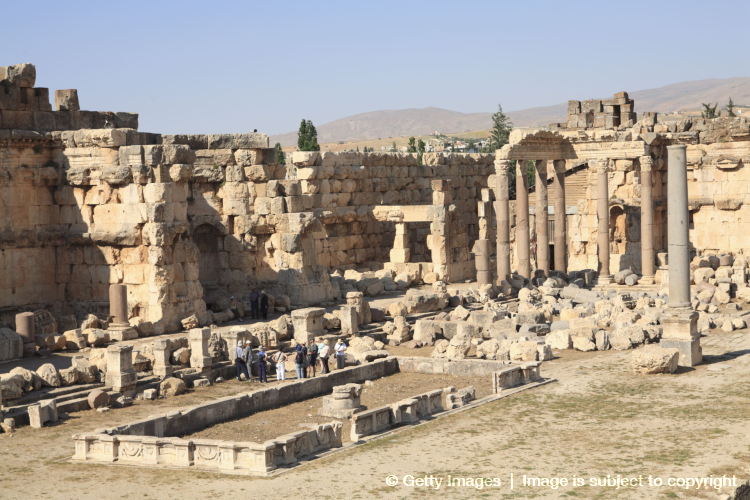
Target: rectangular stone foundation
(691, 353)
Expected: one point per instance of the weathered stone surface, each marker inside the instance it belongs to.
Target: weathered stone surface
(654, 359)
(172, 386)
(49, 375)
(98, 399)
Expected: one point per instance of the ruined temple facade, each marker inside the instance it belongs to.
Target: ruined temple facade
(605, 168)
(190, 223)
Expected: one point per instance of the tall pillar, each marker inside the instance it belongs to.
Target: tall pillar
(118, 304)
(542, 235)
(199, 355)
(679, 321)
(522, 220)
(647, 222)
(561, 234)
(602, 214)
(502, 216)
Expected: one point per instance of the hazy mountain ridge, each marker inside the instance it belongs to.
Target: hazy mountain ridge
(424, 121)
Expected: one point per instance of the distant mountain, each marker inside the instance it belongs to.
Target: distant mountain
(424, 121)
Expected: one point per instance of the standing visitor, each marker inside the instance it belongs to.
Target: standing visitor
(340, 349)
(279, 358)
(247, 356)
(239, 361)
(300, 356)
(323, 352)
(262, 364)
(312, 357)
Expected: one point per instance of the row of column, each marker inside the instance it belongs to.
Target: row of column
(523, 242)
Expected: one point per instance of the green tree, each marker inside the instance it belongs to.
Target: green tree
(420, 150)
(709, 111)
(500, 132)
(412, 145)
(730, 108)
(280, 156)
(307, 136)
(393, 147)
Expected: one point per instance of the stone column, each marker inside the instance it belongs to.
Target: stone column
(542, 236)
(647, 222)
(522, 220)
(400, 253)
(118, 305)
(349, 320)
(199, 356)
(561, 234)
(679, 320)
(481, 251)
(502, 216)
(121, 376)
(162, 368)
(602, 214)
(25, 326)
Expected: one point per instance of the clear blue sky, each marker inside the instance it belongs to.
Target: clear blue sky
(220, 66)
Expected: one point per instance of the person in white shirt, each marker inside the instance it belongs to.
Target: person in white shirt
(323, 352)
(279, 359)
(340, 349)
(239, 362)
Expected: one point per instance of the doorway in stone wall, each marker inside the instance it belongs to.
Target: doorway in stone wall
(209, 241)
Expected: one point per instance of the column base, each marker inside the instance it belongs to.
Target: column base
(120, 333)
(691, 353)
(484, 277)
(647, 280)
(604, 280)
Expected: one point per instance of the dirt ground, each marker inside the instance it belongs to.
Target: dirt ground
(597, 420)
(274, 423)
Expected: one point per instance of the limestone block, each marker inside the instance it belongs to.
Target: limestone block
(172, 386)
(49, 375)
(42, 413)
(654, 359)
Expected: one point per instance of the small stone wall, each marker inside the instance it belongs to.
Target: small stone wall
(407, 411)
(224, 456)
(458, 367)
(513, 376)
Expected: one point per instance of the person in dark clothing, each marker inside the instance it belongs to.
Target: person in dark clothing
(300, 355)
(254, 304)
(262, 369)
(239, 362)
(312, 357)
(264, 304)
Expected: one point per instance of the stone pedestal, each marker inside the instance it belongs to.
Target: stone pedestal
(121, 376)
(199, 355)
(541, 211)
(162, 368)
(522, 220)
(680, 331)
(401, 253)
(343, 402)
(357, 299)
(349, 320)
(308, 323)
(43, 412)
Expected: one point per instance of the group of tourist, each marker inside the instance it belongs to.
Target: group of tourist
(259, 304)
(306, 358)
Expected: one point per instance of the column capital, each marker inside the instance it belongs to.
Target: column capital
(502, 166)
(600, 165)
(646, 163)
